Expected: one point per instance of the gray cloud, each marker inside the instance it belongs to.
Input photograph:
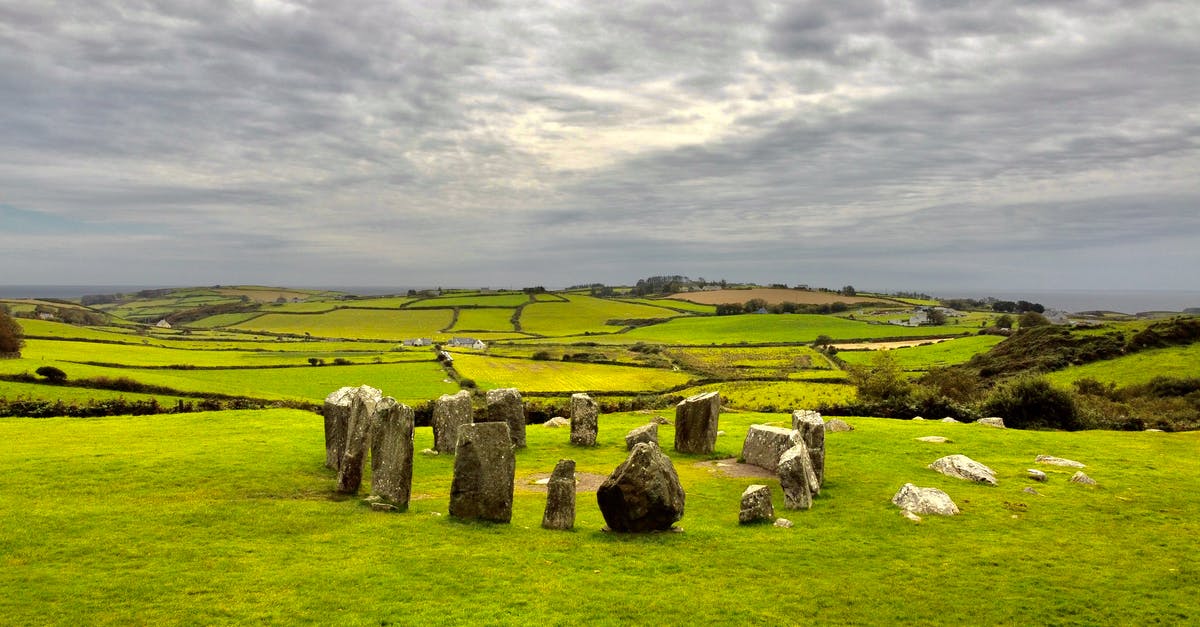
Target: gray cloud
(514, 142)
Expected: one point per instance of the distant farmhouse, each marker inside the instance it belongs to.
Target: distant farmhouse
(163, 324)
(921, 316)
(420, 341)
(466, 342)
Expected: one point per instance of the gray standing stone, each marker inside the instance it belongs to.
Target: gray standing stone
(644, 433)
(811, 428)
(764, 445)
(484, 471)
(924, 501)
(643, 493)
(505, 405)
(560, 497)
(756, 505)
(963, 467)
(450, 411)
(992, 421)
(358, 442)
(585, 420)
(696, 423)
(392, 453)
(336, 412)
(796, 477)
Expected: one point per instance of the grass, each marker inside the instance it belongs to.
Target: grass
(765, 328)
(1138, 368)
(671, 303)
(231, 518)
(778, 395)
(920, 358)
(356, 323)
(482, 300)
(13, 391)
(584, 314)
(140, 355)
(560, 376)
(756, 361)
(499, 320)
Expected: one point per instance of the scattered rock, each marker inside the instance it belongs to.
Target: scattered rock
(505, 405)
(765, 444)
(909, 515)
(484, 469)
(1058, 461)
(644, 433)
(643, 493)
(336, 412)
(696, 423)
(556, 422)
(917, 418)
(585, 420)
(560, 497)
(720, 433)
(1036, 474)
(837, 425)
(1153, 430)
(384, 507)
(756, 505)
(937, 439)
(796, 477)
(1029, 490)
(429, 452)
(783, 523)
(1079, 477)
(949, 419)
(924, 501)
(659, 420)
(963, 467)
(811, 428)
(992, 421)
(392, 452)
(450, 411)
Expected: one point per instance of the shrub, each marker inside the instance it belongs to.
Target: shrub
(467, 384)
(315, 361)
(11, 339)
(1032, 403)
(542, 356)
(52, 374)
(341, 361)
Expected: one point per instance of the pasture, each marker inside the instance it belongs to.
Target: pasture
(1177, 361)
(771, 328)
(231, 517)
(772, 296)
(922, 358)
(356, 323)
(560, 376)
(585, 314)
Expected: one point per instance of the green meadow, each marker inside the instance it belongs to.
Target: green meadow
(560, 376)
(231, 518)
(1138, 368)
(766, 328)
(345, 323)
(920, 358)
(585, 314)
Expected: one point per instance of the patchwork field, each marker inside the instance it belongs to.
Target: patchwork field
(497, 320)
(231, 518)
(772, 297)
(1178, 361)
(356, 323)
(560, 376)
(777, 395)
(478, 300)
(772, 328)
(921, 358)
(585, 314)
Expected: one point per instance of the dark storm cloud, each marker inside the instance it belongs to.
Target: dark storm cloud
(557, 143)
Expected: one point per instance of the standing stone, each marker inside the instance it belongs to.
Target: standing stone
(358, 441)
(337, 418)
(965, 468)
(764, 444)
(585, 422)
(992, 421)
(505, 405)
(560, 497)
(392, 453)
(812, 430)
(924, 501)
(644, 433)
(796, 477)
(449, 413)
(756, 505)
(484, 471)
(643, 493)
(696, 423)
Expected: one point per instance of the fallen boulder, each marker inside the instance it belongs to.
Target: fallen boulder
(963, 467)
(756, 505)
(643, 493)
(1058, 461)
(924, 501)
(836, 425)
(764, 444)
(1079, 477)
(992, 421)
(644, 433)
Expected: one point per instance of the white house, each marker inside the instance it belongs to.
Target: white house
(163, 324)
(420, 341)
(466, 342)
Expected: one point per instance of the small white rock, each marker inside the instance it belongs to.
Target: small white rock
(783, 523)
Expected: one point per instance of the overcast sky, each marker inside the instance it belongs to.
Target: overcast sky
(923, 145)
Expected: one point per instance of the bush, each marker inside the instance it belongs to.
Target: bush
(341, 361)
(52, 374)
(542, 356)
(467, 384)
(1032, 403)
(11, 339)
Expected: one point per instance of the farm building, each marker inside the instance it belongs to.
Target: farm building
(466, 342)
(420, 341)
(163, 324)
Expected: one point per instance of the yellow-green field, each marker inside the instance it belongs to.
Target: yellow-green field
(559, 376)
(1177, 361)
(920, 358)
(357, 323)
(782, 396)
(478, 300)
(495, 320)
(584, 314)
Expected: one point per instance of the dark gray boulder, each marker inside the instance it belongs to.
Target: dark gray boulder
(643, 493)
(585, 420)
(644, 433)
(392, 453)
(756, 505)
(560, 497)
(484, 472)
(696, 423)
(450, 411)
(811, 428)
(358, 441)
(505, 405)
(336, 412)
(796, 477)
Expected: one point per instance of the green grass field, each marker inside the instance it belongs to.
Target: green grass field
(671, 303)
(777, 395)
(496, 320)
(766, 328)
(477, 300)
(231, 518)
(1177, 361)
(139, 355)
(921, 358)
(584, 314)
(755, 361)
(560, 376)
(17, 391)
(356, 323)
